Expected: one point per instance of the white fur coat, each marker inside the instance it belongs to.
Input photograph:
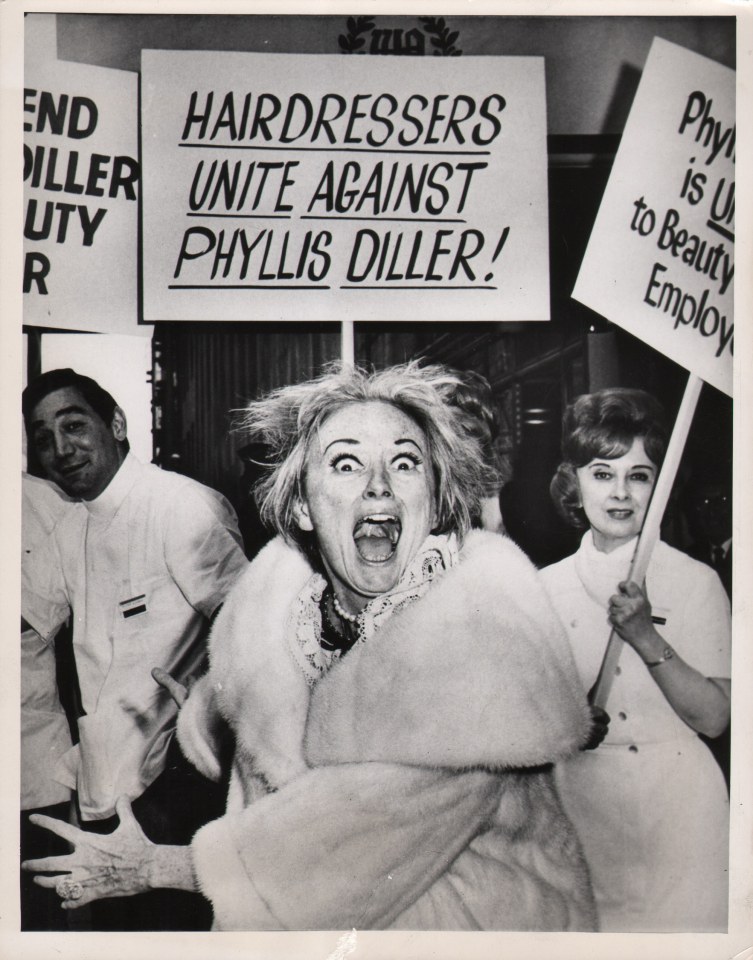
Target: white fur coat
(394, 793)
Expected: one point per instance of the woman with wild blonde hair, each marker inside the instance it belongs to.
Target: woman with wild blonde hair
(397, 686)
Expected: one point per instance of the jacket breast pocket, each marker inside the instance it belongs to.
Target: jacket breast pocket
(156, 624)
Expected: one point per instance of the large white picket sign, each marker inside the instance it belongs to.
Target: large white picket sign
(81, 184)
(290, 187)
(660, 260)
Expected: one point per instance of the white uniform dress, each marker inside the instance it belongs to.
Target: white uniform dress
(650, 803)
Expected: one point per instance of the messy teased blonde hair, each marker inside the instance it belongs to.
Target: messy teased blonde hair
(287, 419)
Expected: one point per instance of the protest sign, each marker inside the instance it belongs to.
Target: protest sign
(80, 197)
(660, 259)
(289, 187)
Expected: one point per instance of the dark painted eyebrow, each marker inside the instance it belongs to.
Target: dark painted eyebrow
(607, 463)
(341, 440)
(355, 443)
(62, 413)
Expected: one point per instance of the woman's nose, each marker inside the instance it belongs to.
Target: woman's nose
(378, 483)
(620, 490)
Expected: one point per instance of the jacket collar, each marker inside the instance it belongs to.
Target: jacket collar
(107, 504)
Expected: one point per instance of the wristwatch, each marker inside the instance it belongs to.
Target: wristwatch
(666, 654)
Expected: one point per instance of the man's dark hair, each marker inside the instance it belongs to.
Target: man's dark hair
(101, 402)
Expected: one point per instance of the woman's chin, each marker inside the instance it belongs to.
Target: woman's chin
(607, 540)
(374, 577)
(369, 569)
(377, 582)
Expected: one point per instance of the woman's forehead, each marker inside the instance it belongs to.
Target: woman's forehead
(635, 453)
(369, 422)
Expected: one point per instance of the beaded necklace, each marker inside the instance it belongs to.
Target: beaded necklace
(338, 635)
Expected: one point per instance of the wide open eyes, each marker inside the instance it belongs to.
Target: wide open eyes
(345, 463)
(349, 463)
(406, 461)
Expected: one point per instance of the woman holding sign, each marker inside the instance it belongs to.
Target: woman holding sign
(398, 686)
(650, 803)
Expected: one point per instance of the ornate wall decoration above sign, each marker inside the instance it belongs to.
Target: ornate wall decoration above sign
(397, 41)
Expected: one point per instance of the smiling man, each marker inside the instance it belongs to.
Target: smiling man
(146, 558)
(80, 443)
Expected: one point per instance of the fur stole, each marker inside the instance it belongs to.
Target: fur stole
(476, 673)
(414, 745)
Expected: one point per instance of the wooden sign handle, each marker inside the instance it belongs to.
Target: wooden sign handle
(347, 343)
(651, 529)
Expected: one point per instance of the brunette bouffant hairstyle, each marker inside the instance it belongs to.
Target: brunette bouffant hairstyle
(604, 425)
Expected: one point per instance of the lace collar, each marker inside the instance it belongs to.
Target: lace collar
(438, 553)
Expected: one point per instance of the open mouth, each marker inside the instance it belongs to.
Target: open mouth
(376, 537)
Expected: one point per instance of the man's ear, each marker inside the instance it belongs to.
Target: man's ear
(301, 515)
(118, 425)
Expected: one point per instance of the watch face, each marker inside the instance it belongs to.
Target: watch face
(666, 654)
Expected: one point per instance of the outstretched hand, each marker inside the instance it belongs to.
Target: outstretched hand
(117, 864)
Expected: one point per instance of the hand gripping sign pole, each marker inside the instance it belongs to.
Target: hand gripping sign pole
(651, 529)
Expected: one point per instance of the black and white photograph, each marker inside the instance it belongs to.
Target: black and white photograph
(377, 448)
